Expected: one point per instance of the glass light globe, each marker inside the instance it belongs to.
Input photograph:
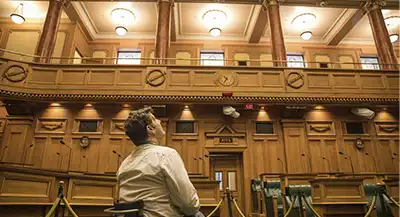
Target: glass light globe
(121, 31)
(394, 37)
(306, 35)
(215, 32)
(17, 18)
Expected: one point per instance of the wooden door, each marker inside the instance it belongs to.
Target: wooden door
(228, 168)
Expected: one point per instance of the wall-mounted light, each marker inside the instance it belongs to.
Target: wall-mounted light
(121, 31)
(307, 35)
(394, 37)
(17, 17)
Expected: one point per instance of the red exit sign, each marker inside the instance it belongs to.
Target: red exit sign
(249, 106)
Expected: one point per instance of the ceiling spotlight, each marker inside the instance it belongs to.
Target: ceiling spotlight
(16, 17)
(121, 31)
(306, 35)
(215, 32)
(394, 37)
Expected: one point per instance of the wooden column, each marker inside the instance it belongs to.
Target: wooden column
(48, 37)
(163, 30)
(275, 28)
(383, 45)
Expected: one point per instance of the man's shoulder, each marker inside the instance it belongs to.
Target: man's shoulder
(165, 150)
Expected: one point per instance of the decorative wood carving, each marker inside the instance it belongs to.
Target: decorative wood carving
(51, 126)
(320, 128)
(389, 128)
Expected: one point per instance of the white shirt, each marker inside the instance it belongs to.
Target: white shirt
(157, 175)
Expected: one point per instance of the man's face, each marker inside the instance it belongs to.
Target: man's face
(159, 132)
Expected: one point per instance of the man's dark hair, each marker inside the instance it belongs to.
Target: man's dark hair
(136, 125)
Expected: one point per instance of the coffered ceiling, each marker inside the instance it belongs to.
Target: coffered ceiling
(243, 21)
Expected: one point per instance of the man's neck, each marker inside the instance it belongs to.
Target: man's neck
(153, 140)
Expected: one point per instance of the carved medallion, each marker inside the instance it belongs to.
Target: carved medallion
(84, 141)
(295, 80)
(15, 73)
(155, 77)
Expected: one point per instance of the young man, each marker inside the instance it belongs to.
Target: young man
(153, 173)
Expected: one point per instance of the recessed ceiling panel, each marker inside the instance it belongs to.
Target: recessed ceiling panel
(100, 16)
(191, 18)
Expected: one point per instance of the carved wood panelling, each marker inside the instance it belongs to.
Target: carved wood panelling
(319, 81)
(273, 80)
(387, 128)
(180, 78)
(14, 143)
(225, 137)
(55, 155)
(344, 81)
(265, 153)
(371, 81)
(41, 76)
(56, 126)
(24, 188)
(73, 76)
(117, 127)
(85, 160)
(130, 77)
(91, 192)
(393, 81)
(101, 77)
(321, 128)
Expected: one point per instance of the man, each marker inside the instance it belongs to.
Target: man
(153, 173)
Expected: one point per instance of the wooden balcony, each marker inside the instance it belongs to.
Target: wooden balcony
(100, 82)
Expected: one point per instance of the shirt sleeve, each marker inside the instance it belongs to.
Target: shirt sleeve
(182, 192)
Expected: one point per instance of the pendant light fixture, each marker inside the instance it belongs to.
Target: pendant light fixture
(215, 20)
(123, 18)
(17, 16)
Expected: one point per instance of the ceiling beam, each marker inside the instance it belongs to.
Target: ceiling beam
(390, 4)
(259, 27)
(346, 21)
(73, 15)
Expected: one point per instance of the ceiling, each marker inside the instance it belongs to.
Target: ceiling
(189, 24)
(34, 11)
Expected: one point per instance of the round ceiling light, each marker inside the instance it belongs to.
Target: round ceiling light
(121, 31)
(215, 20)
(306, 35)
(306, 20)
(16, 17)
(392, 21)
(122, 16)
(394, 37)
(215, 32)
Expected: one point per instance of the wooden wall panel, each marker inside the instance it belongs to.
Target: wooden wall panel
(14, 144)
(23, 187)
(297, 153)
(88, 191)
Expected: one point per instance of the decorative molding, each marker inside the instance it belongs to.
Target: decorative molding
(375, 4)
(247, 99)
(120, 126)
(51, 127)
(320, 128)
(389, 128)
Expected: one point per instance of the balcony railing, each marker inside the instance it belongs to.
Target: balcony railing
(198, 62)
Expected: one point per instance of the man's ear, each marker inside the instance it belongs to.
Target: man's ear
(150, 129)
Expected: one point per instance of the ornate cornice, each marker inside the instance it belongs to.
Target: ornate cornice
(183, 98)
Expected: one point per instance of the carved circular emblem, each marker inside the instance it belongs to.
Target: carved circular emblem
(295, 80)
(226, 78)
(155, 78)
(359, 143)
(15, 73)
(84, 141)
